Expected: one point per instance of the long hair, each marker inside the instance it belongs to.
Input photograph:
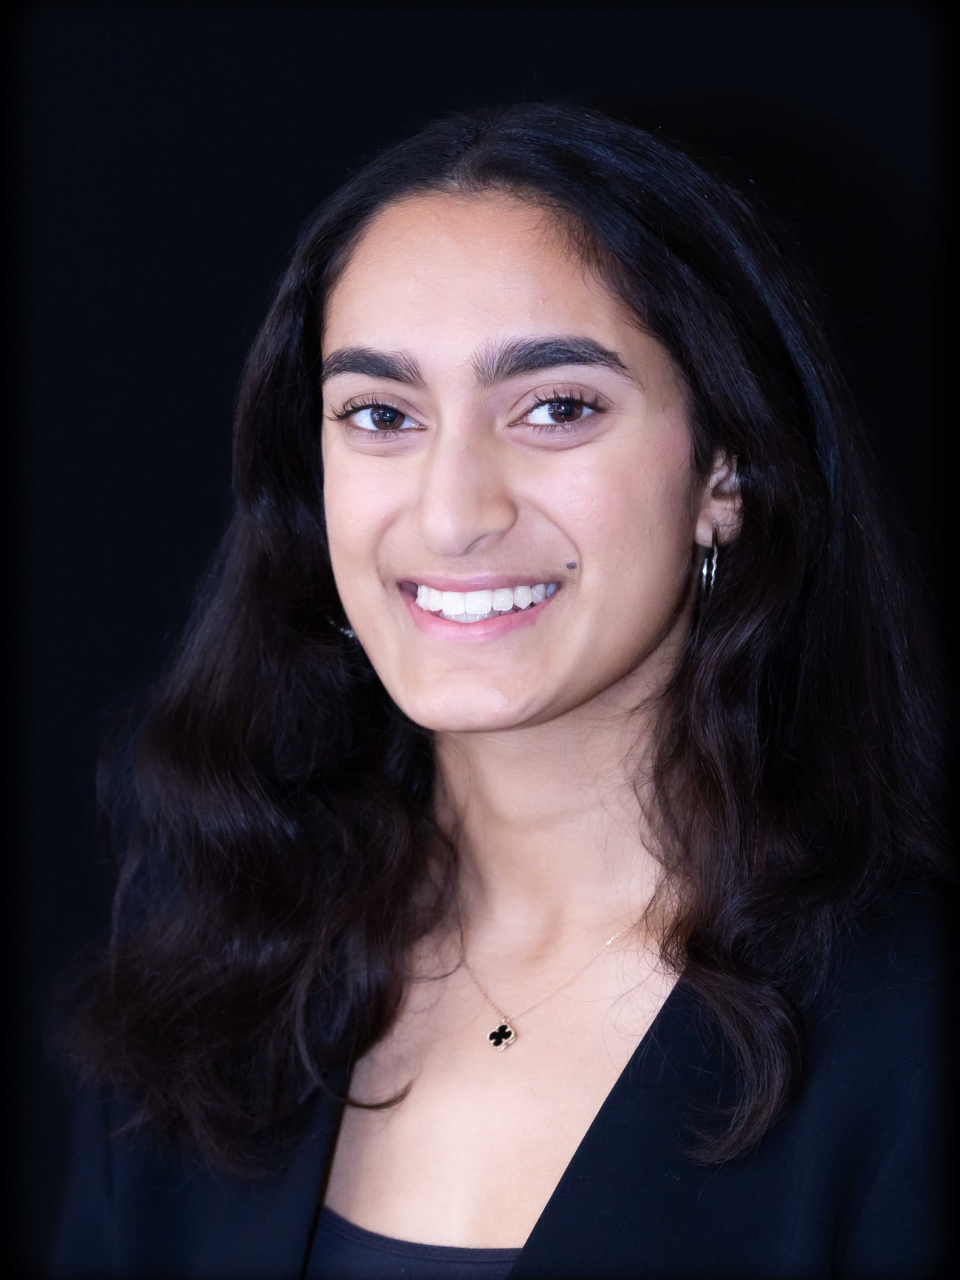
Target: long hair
(270, 807)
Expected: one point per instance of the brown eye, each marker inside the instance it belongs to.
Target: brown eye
(378, 417)
(562, 412)
(385, 416)
(565, 410)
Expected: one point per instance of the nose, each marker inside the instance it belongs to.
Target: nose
(465, 500)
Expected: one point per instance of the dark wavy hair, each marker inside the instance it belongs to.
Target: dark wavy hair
(270, 806)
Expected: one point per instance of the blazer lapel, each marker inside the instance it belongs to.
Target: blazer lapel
(267, 1230)
(606, 1215)
(191, 1223)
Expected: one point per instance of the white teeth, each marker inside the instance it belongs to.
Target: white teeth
(473, 606)
(479, 602)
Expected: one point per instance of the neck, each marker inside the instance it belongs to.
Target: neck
(555, 851)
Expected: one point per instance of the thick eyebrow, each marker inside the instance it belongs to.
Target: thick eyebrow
(508, 359)
(395, 365)
(514, 356)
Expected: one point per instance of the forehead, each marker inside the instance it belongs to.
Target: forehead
(452, 270)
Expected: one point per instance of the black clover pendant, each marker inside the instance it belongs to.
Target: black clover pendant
(502, 1036)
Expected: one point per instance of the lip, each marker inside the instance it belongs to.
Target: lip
(480, 582)
(490, 629)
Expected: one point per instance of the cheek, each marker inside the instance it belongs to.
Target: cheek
(634, 517)
(358, 502)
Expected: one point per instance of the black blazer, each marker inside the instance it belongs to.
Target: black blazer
(850, 1182)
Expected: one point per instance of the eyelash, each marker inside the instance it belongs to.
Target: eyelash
(373, 402)
(585, 402)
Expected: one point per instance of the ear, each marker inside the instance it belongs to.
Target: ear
(720, 506)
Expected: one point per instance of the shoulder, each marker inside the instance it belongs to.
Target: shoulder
(880, 1039)
(136, 1206)
(883, 1021)
(876, 1110)
(896, 968)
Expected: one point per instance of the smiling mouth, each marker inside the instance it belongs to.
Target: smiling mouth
(478, 606)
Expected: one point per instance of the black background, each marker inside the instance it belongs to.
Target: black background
(164, 157)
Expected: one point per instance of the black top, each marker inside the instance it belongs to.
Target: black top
(850, 1182)
(341, 1249)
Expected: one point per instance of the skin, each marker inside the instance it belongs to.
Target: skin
(540, 731)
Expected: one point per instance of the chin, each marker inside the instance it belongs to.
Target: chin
(467, 711)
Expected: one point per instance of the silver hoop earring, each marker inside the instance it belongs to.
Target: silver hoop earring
(708, 570)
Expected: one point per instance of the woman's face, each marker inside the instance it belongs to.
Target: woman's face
(500, 441)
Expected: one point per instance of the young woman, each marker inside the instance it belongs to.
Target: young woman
(528, 861)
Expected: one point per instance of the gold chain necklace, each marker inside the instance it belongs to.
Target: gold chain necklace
(503, 1035)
